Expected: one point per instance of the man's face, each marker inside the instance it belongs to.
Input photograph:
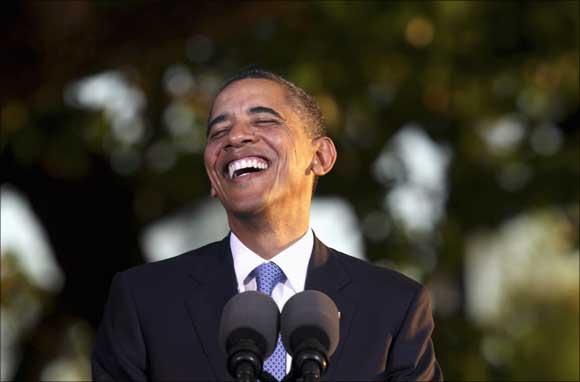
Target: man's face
(258, 154)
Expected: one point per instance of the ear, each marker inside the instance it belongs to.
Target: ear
(324, 157)
(213, 192)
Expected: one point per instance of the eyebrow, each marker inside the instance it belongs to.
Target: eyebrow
(216, 120)
(253, 110)
(264, 109)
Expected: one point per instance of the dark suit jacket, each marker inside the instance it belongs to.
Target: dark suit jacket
(161, 319)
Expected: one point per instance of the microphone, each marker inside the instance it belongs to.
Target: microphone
(310, 332)
(248, 333)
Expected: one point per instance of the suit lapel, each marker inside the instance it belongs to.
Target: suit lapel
(214, 283)
(327, 275)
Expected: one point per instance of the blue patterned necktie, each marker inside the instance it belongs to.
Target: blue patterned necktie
(267, 276)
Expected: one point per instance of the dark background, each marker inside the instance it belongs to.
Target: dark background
(493, 85)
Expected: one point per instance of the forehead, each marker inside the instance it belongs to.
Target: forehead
(251, 92)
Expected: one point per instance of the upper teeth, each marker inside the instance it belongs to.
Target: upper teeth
(246, 163)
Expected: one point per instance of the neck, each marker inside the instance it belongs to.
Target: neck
(268, 236)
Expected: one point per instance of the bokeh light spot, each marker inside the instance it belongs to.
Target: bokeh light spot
(419, 32)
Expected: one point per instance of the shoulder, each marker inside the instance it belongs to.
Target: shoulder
(166, 270)
(361, 270)
(381, 280)
(384, 294)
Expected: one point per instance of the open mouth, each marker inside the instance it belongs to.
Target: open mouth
(245, 166)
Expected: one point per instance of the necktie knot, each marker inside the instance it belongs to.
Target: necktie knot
(267, 276)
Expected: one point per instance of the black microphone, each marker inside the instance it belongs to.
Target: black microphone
(310, 330)
(248, 333)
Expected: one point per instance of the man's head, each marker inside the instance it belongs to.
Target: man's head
(303, 103)
(265, 146)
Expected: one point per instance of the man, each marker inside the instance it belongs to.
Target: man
(266, 147)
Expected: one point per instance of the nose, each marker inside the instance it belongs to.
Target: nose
(240, 134)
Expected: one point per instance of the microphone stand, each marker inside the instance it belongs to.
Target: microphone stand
(310, 371)
(308, 365)
(245, 363)
(243, 366)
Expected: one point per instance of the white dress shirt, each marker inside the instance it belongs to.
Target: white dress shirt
(293, 261)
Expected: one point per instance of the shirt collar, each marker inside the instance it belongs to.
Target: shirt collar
(293, 260)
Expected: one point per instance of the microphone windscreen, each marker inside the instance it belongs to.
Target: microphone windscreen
(310, 315)
(250, 316)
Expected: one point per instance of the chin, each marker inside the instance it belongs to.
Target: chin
(245, 209)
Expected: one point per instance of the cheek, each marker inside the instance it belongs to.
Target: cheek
(283, 143)
(209, 158)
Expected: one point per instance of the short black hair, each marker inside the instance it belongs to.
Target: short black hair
(304, 104)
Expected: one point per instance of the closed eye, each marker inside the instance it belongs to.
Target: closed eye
(266, 122)
(217, 133)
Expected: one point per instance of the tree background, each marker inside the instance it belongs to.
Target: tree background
(104, 106)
